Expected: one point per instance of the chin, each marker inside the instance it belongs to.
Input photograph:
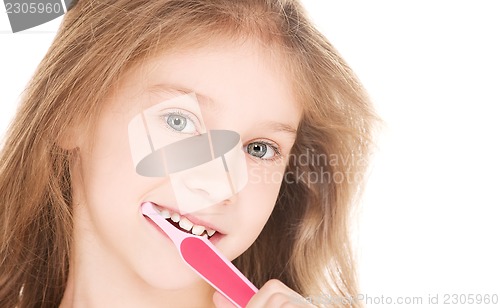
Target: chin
(170, 276)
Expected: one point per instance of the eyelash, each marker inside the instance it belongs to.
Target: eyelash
(275, 148)
(164, 116)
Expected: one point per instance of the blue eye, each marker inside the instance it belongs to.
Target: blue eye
(262, 150)
(180, 123)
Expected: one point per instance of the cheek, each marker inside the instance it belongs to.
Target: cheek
(107, 179)
(266, 180)
(106, 164)
(261, 193)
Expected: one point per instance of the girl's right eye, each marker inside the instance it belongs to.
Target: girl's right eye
(263, 150)
(179, 122)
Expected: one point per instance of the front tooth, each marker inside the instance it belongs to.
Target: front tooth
(198, 230)
(210, 232)
(165, 214)
(175, 217)
(185, 224)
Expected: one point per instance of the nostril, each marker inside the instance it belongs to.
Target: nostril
(199, 191)
(230, 200)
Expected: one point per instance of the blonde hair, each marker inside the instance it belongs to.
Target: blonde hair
(306, 242)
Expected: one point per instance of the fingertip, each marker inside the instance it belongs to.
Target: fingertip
(220, 301)
(273, 284)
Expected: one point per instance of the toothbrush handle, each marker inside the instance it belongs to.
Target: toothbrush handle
(217, 270)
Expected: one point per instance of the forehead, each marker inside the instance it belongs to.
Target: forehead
(239, 72)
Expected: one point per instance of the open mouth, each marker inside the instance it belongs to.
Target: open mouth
(184, 224)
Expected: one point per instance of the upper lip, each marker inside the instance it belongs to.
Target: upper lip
(195, 220)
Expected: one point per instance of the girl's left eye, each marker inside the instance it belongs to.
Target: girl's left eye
(262, 150)
(180, 123)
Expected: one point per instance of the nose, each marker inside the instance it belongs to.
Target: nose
(210, 182)
(213, 181)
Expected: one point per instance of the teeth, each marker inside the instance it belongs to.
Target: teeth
(165, 214)
(175, 217)
(198, 230)
(185, 224)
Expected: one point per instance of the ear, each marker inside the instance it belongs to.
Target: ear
(70, 138)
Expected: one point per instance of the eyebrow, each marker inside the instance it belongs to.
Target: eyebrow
(166, 87)
(280, 127)
(174, 88)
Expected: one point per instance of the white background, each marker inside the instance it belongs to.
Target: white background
(430, 219)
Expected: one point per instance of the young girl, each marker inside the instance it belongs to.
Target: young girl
(72, 233)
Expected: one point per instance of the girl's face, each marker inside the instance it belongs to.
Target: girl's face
(240, 88)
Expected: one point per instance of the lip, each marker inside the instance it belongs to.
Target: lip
(195, 220)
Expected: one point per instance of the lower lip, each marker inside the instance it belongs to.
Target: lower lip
(214, 239)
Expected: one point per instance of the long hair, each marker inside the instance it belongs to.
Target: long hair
(306, 241)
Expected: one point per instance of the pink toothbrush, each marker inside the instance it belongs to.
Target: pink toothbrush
(202, 256)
